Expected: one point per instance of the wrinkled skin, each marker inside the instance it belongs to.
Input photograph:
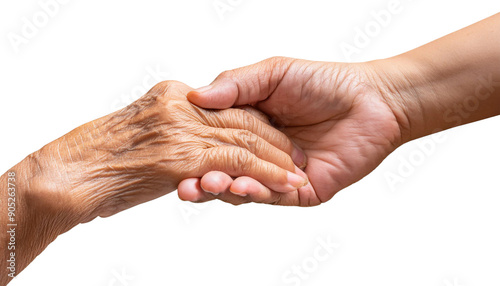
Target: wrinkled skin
(146, 149)
(343, 116)
(138, 154)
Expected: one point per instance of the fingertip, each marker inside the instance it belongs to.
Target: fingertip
(215, 182)
(207, 100)
(295, 181)
(255, 191)
(202, 97)
(190, 190)
(218, 95)
(195, 97)
(242, 186)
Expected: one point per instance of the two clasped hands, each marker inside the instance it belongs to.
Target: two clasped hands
(282, 131)
(333, 124)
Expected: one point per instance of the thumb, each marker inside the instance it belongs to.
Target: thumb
(220, 94)
(246, 85)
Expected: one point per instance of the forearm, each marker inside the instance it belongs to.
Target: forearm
(72, 180)
(28, 222)
(452, 81)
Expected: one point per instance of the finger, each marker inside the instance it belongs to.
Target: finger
(307, 195)
(216, 182)
(246, 186)
(219, 183)
(241, 119)
(256, 192)
(245, 189)
(242, 190)
(190, 190)
(298, 155)
(236, 161)
(255, 112)
(246, 85)
(253, 143)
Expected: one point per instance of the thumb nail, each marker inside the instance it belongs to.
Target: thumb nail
(299, 157)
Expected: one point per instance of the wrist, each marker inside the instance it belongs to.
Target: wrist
(105, 166)
(407, 86)
(81, 171)
(30, 219)
(442, 85)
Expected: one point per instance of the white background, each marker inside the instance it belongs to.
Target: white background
(439, 225)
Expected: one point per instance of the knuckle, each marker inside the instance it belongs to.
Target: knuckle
(227, 159)
(242, 160)
(159, 89)
(211, 160)
(247, 139)
(248, 119)
(277, 60)
(168, 87)
(162, 86)
(228, 74)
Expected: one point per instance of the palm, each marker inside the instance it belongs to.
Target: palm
(338, 118)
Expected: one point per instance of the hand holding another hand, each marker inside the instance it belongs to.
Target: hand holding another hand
(345, 117)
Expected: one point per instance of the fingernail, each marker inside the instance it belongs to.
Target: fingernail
(296, 181)
(239, 194)
(299, 157)
(215, 194)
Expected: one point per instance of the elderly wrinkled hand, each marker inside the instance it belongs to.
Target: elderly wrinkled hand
(140, 153)
(146, 149)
